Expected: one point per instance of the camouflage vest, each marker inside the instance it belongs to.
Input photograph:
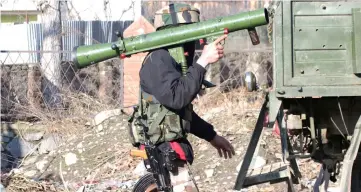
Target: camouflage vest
(163, 124)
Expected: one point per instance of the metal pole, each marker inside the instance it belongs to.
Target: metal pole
(350, 158)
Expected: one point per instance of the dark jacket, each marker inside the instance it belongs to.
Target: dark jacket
(161, 77)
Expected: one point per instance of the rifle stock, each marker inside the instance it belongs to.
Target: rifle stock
(138, 153)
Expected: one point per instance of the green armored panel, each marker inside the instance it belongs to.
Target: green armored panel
(317, 48)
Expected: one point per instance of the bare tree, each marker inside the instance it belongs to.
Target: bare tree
(51, 47)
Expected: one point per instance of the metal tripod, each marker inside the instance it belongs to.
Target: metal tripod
(285, 171)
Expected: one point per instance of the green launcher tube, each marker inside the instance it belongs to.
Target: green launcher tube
(86, 55)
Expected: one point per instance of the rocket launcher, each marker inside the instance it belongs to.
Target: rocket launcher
(86, 55)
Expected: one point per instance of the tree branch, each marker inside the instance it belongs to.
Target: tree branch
(72, 8)
(130, 7)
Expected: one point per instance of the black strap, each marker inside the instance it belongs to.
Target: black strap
(158, 119)
(173, 13)
(140, 90)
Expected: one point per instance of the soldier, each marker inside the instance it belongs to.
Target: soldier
(161, 78)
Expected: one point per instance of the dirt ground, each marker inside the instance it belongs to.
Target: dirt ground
(97, 159)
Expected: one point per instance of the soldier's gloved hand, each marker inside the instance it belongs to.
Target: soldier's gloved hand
(212, 52)
(223, 146)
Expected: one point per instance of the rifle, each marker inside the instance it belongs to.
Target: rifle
(160, 163)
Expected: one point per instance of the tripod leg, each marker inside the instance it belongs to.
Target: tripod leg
(254, 142)
(319, 181)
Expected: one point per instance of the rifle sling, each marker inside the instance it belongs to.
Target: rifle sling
(159, 119)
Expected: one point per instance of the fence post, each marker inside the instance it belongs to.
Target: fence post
(105, 82)
(34, 93)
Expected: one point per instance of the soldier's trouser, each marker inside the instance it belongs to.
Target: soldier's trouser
(182, 180)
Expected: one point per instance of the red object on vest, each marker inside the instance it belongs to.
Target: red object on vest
(178, 149)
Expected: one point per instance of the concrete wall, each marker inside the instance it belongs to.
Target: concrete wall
(132, 64)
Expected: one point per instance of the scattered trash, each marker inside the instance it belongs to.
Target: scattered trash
(209, 172)
(105, 185)
(70, 158)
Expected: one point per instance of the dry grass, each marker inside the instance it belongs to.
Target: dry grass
(118, 162)
(237, 100)
(79, 110)
(82, 108)
(18, 183)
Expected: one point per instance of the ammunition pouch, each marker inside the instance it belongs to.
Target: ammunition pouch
(162, 124)
(135, 127)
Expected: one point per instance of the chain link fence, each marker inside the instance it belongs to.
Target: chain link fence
(229, 74)
(28, 90)
(46, 85)
(41, 90)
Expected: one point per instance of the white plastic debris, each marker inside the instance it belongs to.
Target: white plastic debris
(70, 158)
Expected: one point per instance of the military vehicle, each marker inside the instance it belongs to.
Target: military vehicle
(315, 97)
